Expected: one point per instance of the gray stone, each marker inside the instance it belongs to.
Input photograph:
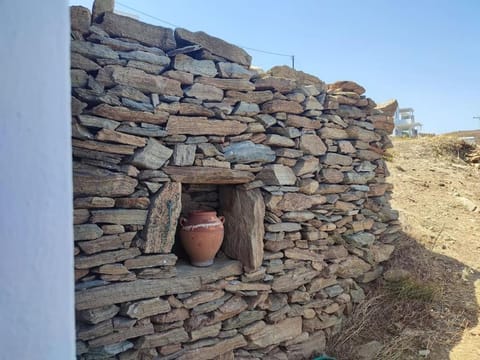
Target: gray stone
(298, 216)
(336, 159)
(246, 109)
(247, 152)
(161, 222)
(334, 290)
(283, 227)
(204, 92)
(332, 133)
(233, 71)
(362, 239)
(127, 27)
(145, 57)
(358, 133)
(152, 156)
(184, 155)
(266, 120)
(244, 212)
(193, 66)
(92, 50)
(214, 45)
(98, 122)
(87, 232)
(352, 177)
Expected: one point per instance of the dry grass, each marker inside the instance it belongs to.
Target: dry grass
(405, 316)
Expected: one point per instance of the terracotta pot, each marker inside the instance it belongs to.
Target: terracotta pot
(201, 236)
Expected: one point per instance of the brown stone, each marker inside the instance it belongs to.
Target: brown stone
(100, 7)
(298, 202)
(173, 336)
(227, 84)
(358, 133)
(132, 203)
(302, 122)
(86, 262)
(161, 225)
(80, 19)
(119, 216)
(276, 175)
(254, 97)
(102, 182)
(202, 297)
(123, 334)
(312, 144)
(244, 230)
(97, 315)
(274, 106)
(145, 308)
(121, 113)
(211, 352)
(80, 216)
(346, 86)
(352, 266)
(108, 242)
(332, 176)
(175, 315)
(293, 279)
(94, 331)
(100, 146)
(144, 82)
(135, 290)
(203, 126)
(214, 45)
(93, 202)
(127, 27)
(207, 175)
(279, 84)
(299, 254)
(284, 330)
(121, 138)
(148, 261)
(206, 332)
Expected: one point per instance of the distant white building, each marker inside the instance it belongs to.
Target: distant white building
(405, 124)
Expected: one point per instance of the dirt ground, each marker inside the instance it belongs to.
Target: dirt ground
(436, 197)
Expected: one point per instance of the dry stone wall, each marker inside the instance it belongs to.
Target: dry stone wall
(166, 121)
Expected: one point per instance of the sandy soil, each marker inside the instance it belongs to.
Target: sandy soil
(435, 197)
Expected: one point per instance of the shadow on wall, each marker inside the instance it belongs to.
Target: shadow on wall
(426, 310)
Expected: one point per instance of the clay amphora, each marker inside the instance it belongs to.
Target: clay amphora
(201, 236)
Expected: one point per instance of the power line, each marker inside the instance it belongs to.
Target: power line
(291, 56)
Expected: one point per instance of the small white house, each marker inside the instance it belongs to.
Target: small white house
(405, 124)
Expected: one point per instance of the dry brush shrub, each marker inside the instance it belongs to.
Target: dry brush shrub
(450, 146)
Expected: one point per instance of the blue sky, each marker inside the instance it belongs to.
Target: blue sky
(424, 53)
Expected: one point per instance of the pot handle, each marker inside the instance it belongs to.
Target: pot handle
(222, 219)
(183, 221)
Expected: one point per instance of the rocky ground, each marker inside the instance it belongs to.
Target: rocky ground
(435, 314)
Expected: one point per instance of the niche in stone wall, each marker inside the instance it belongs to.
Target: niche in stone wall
(243, 208)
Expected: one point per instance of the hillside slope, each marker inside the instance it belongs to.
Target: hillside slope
(435, 314)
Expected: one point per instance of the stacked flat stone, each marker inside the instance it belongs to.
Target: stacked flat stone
(165, 122)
